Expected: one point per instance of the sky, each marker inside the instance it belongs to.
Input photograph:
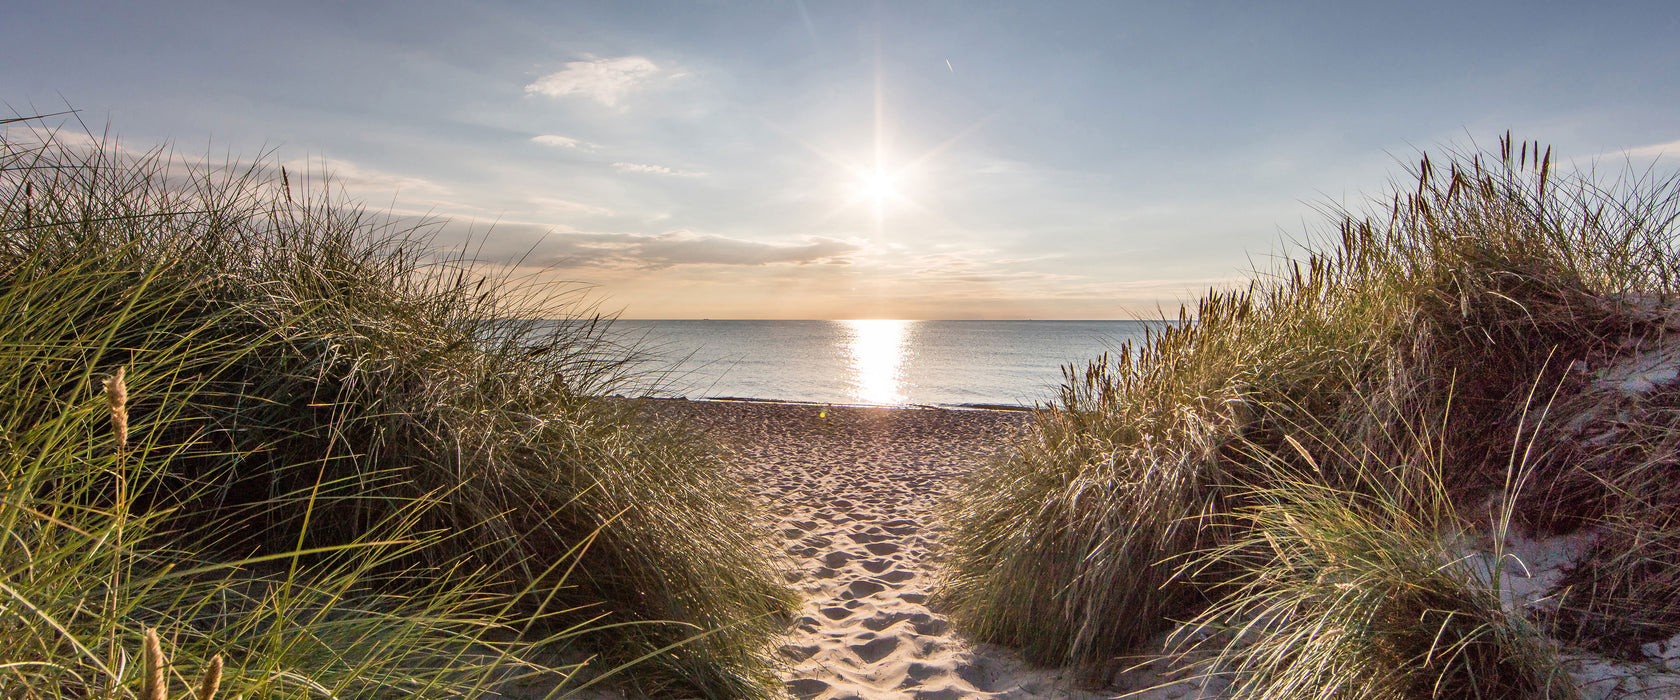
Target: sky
(806, 159)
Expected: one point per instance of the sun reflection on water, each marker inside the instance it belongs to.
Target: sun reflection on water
(876, 357)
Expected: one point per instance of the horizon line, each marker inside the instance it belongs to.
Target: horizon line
(877, 318)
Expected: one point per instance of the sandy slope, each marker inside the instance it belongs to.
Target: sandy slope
(851, 492)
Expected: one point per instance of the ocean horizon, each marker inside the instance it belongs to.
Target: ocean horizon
(952, 363)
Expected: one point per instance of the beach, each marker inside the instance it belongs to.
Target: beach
(850, 492)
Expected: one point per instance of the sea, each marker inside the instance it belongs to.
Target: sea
(874, 362)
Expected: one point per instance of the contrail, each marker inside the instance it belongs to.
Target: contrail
(948, 65)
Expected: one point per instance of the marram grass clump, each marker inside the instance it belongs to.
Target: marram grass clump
(1359, 592)
(1428, 335)
(281, 430)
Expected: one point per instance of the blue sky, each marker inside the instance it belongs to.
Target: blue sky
(786, 159)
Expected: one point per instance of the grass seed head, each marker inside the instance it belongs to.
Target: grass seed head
(212, 679)
(154, 688)
(116, 394)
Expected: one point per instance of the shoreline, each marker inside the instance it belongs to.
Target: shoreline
(1015, 408)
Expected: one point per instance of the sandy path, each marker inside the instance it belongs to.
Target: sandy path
(851, 493)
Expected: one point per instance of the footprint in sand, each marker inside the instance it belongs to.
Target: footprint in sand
(896, 576)
(882, 548)
(873, 651)
(876, 566)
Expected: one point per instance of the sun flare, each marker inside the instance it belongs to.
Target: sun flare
(880, 186)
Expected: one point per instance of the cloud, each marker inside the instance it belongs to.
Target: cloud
(566, 206)
(629, 250)
(1670, 149)
(654, 170)
(358, 179)
(1003, 167)
(606, 80)
(562, 142)
(304, 175)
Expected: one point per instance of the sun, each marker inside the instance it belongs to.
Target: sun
(879, 186)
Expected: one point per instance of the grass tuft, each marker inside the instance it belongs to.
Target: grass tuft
(338, 459)
(1365, 592)
(1290, 420)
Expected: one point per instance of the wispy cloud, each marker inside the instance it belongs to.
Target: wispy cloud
(558, 141)
(554, 205)
(364, 180)
(1003, 167)
(1669, 150)
(606, 80)
(674, 248)
(654, 170)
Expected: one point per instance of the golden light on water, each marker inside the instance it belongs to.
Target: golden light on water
(876, 354)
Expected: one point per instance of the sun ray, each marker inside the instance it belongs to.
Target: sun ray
(878, 183)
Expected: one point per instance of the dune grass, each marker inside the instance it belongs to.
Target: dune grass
(1359, 590)
(346, 463)
(1429, 336)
